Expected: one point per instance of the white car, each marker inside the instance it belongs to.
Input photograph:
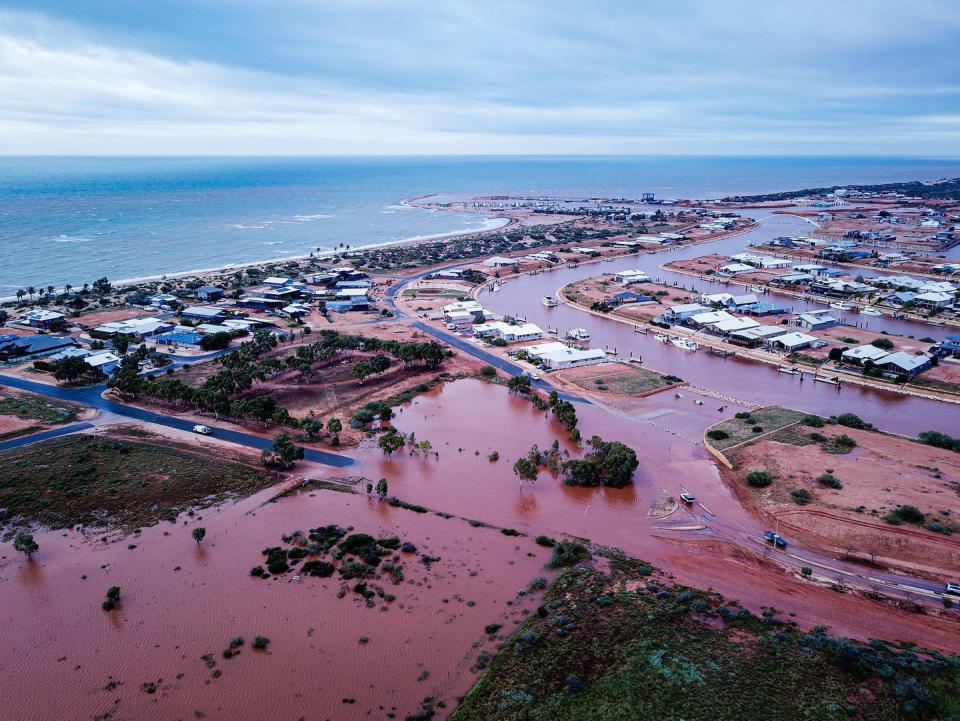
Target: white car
(953, 587)
(202, 429)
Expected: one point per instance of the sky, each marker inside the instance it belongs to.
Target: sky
(291, 77)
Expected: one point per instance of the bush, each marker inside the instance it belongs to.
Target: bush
(717, 435)
(757, 429)
(488, 371)
(812, 421)
(818, 437)
(851, 420)
(546, 541)
(905, 514)
(759, 479)
(260, 643)
(568, 553)
(801, 496)
(806, 571)
(829, 480)
(883, 343)
(742, 415)
(940, 440)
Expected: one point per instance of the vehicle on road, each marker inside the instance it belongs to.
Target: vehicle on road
(775, 538)
(953, 587)
(533, 376)
(687, 497)
(202, 429)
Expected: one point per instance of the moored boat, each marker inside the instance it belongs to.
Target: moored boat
(870, 310)
(578, 334)
(550, 301)
(684, 343)
(840, 305)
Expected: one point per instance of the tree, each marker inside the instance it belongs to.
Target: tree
(71, 369)
(285, 453)
(4, 317)
(610, 463)
(361, 370)
(526, 469)
(519, 384)
(390, 441)
(334, 425)
(382, 488)
(24, 543)
(198, 533)
(379, 363)
(121, 343)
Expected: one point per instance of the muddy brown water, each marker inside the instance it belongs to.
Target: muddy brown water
(751, 381)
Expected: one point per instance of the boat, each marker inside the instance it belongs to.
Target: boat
(660, 337)
(757, 288)
(823, 379)
(550, 301)
(790, 370)
(684, 343)
(578, 334)
(870, 310)
(496, 287)
(840, 305)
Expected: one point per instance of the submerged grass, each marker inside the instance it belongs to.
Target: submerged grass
(630, 645)
(739, 430)
(36, 408)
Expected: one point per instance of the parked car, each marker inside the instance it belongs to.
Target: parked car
(202, 429)
(687, 497)
(775, 538)
(953, 587)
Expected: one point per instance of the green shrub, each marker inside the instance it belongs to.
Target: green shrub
(568, 553)
(806, 571)
(829, 480)
(546, 541)
(905, 514)
(717, 435)
(812, 421)
(801, 496)
(759, 479)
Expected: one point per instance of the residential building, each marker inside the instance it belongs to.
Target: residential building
(677, 313)
(209, 293)
(45, 319)
(105, 362)
(816, 320)
(572, 357)
(904, 364)
(205, 313)
(507, 332)
(863, 353)
(792, 341)
(498, 261)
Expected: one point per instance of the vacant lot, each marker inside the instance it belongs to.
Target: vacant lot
(632, 645)
(617, 378)
(114, 481)
(739, 430)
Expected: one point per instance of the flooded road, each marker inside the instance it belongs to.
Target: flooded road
(747, 380)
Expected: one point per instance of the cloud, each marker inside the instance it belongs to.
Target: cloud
(497, 77)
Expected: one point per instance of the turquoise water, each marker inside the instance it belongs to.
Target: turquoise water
(76, 219)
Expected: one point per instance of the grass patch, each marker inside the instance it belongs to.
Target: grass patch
(739, 430)
(602, 652)
(623, 381)
(101, 481)
(29, 407)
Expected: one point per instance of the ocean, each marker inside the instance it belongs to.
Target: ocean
(75, 219)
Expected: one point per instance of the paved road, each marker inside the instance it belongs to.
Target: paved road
(91, 396)
(44, 435)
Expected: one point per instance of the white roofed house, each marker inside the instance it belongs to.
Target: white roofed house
(105, 362)
(499, 261)
(741, 301)
(727, 326)
(572, 357)
(904, 364)
(816, 320)
(791, 342)
(718, 299)
(631, 276)
(685, 310)
(277, 282)
(735, 269)
(933, 300)
(538, 350)
(459, 317)
(699, 320)
(757, 335)
(863, 353)
(42, 318)
(507, 332)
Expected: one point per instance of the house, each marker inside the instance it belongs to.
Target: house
(34, 345)
(811, 268)
(631, 276)
(351, 294)
(179, 337)
(627, 297)
(699, 320)
(900, 298)
(816, 320)
(737, 302)
(69, 352)
(209, 293)
(256, 302)
(680, 312)
(498, 261)
(324, 279)
(732, 269)
(286, 293)
(791, 279)
(205, 313)
(572, 357)
(105, 362)
(164, 300)
(863, 353)
(904, 364)
(507, 332)
(451, 274)
(295, 310)
(716, 299)
(933, 300)
(792, 341)
(45, 319)
(277, 282)
(757, 335)
(136, 327)
(726, 326)
(354, 284)
(471, 306)
(459, 317)
(538, 350)
(947, 347)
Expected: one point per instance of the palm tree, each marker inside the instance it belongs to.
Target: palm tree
(50, 289)
(67, 288)
(20, 294)
(31, 290)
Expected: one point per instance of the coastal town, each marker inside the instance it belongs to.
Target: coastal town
(743, 354)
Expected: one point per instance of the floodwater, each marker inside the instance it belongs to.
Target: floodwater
(181, 602)
(89, 662)
(743, 379)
